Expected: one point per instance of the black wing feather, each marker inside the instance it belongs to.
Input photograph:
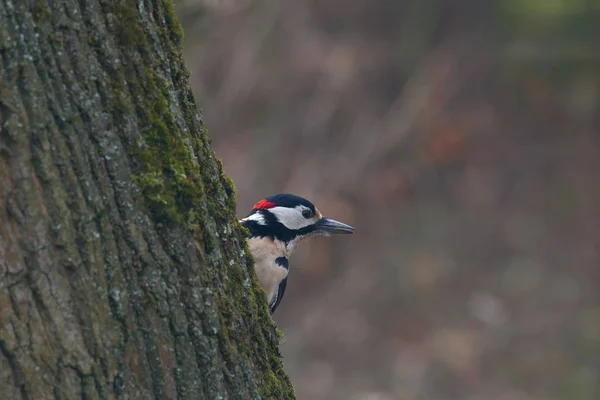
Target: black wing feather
(277, 299)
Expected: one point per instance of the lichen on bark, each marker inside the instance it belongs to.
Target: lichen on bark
(124, 269)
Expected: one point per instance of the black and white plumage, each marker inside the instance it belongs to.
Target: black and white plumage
(277, 225)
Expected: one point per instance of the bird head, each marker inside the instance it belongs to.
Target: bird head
(290, 219)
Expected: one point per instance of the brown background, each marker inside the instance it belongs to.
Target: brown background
(462, 139)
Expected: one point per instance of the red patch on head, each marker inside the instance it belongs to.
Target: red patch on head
(263, 205)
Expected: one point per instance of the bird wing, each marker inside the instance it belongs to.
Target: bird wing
(278, 296)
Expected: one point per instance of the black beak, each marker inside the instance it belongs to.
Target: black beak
(328, 226)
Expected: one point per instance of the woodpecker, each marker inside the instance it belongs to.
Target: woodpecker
(277, 225)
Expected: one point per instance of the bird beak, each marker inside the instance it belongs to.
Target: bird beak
(328, 226)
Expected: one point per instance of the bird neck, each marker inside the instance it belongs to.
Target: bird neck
(270, 251)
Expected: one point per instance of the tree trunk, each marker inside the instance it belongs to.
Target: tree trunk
(123, 268)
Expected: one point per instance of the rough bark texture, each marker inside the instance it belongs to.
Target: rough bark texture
(123, 270)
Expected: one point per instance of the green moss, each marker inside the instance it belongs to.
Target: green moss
(173, 27)
(130, 32)
(40, 11)
(159, 203)
(166, 174)
(229, 187)
(120, 106)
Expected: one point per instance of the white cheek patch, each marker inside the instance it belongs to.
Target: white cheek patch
(257, 217)
(291, 218)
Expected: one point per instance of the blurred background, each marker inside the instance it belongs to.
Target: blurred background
(462, 139)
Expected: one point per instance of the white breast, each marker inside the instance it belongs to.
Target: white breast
(268, 272)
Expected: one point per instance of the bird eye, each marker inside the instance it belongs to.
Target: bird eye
(307, 213)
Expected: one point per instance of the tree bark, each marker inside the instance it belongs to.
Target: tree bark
(123, 269)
